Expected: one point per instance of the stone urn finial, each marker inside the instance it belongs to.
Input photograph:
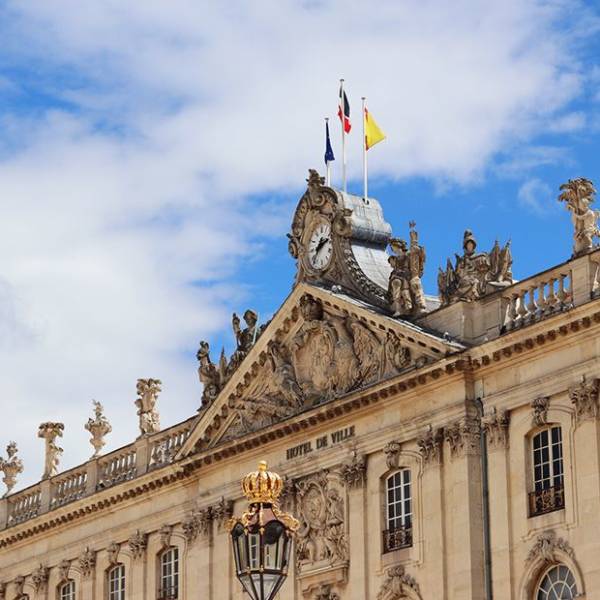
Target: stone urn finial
(49, 432)
(99, 427)
(11, 467)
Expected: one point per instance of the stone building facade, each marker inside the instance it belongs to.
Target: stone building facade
(432, 448)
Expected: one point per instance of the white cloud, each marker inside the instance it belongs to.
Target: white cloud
(537, 196)
(167, 116)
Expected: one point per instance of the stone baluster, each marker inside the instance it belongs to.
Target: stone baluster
(511, 312)
(541, 302)
(522, 310)
(551, 299)
(532, 306)
(563, 293)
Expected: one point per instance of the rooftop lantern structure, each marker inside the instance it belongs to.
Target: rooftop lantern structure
(262, 537)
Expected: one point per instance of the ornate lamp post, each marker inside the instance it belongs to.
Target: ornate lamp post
(262, 537)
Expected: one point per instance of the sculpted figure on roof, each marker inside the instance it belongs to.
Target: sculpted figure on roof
(405, 290)
(579, 194)
(11, 467)
(475, 273)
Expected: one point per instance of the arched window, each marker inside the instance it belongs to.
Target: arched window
(66, 591)
(557, 583)
(548, 484)
(116, 583)
(398, 510)
(169, 574)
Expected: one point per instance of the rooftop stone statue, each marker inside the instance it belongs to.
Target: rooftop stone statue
(49, 432)
(11, 467)
(99, 427)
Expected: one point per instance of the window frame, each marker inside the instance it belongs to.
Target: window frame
(172, 576)
(398, 510)
(116, 594)
(547, 477)
(61, 587)
(540, 594)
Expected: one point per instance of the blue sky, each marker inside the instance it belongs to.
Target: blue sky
(152, 153)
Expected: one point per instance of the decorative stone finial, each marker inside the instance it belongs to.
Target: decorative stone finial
(99, 427)
(579, 195)
(475, 273)
(50, 431)
(262, 486)
(148, 390)
(405, 290)
(11, 467)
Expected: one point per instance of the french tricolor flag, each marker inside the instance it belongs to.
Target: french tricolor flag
(344, 114)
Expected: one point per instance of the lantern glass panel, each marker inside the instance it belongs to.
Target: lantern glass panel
(248, 584)
(269, 585)
(254, 543)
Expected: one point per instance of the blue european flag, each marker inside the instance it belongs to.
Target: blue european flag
(328, 149)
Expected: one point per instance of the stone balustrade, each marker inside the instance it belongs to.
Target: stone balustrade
(537, 298)
(146, 453)
(68, 487)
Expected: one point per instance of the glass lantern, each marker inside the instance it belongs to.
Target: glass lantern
(262, 537)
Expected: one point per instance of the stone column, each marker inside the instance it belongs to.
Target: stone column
(496, 431)
(138, 545)
(199, 559)
(354, 473)
(433, 486)
(464, 525)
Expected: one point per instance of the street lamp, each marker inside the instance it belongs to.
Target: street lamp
(262, 537)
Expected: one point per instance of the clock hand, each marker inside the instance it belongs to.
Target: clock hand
(321, 243)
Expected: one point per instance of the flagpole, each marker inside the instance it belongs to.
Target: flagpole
(343, 119)
(327, 163)
(364, 147)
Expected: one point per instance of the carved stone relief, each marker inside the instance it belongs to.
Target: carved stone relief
(546, 547)
(354, 470)
(287, 498)
(396, 583)
(87, 562)
(584, 397)
(540, 406)
(475, 274)
(322, 537)
(496, 428)
(138, 543)
(2, 591)
(430, 446)
(330, 355)
(463, 437)
(19, 585)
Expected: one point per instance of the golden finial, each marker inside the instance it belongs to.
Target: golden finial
(262, 486)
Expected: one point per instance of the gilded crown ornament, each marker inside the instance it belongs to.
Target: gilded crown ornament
(262, 486)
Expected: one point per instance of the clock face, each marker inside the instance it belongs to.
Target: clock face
(320, 246)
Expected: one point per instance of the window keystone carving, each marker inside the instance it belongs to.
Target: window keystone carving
(19, 584)
(63, 570)
(540, 406)
(496, 429)
(392, 454)
(2, 591)
(165, 532)
(546, 547)
(430, 446)
(584, 397)
(396, 583)
(325, 592)
(354, 470)
(40, 578)
(113, 553)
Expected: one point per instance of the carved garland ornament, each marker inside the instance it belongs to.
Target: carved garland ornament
(325, 592)
(354, 470)
(540, 406)
(430, 446)
(198, 522)
(138, 543)
(396, 583)
(87, 562)
(40, 578)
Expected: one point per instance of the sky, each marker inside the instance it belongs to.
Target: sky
(152, 154)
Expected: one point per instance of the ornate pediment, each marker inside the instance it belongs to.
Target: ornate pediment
(320, 346)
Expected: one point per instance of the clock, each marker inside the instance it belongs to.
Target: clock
(320, 246)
